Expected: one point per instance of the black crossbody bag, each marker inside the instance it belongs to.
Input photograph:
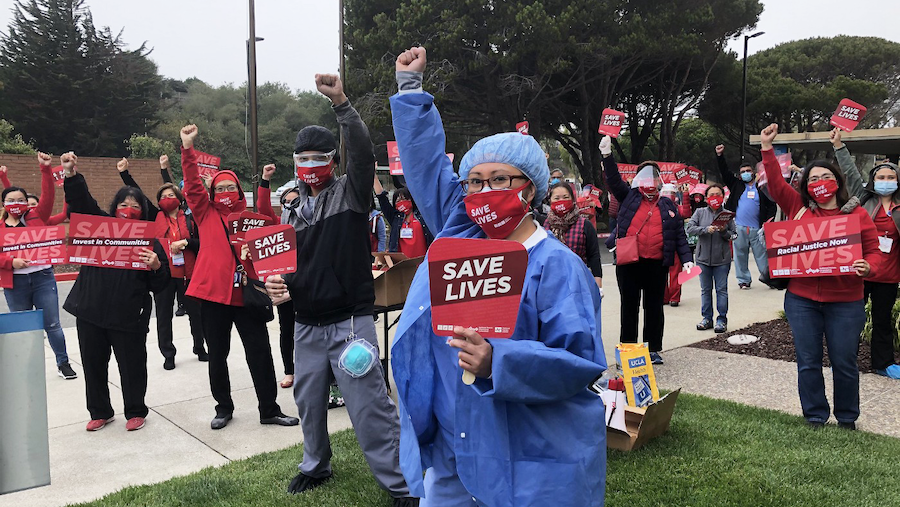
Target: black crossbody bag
(256, 298)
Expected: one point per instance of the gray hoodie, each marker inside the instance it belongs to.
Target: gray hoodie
(713, 249)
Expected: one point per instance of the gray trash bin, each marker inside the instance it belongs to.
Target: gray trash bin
(24, 446)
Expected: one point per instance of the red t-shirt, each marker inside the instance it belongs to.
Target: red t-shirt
(412, 238)
(890, 262)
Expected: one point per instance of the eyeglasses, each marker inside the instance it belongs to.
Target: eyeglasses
(499, 182)
(824, 177)
(18, 201)
(318, 157)
(229, 188)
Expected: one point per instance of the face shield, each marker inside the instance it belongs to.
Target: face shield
(647, 180)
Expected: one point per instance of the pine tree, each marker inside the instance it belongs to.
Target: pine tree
(68, 85)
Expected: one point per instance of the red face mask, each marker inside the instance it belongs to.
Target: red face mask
(714, 201)
(563, 207)
(129, 213)
(227, 199)
(404, 206)
(168, 204)
(649, 192)
(315, 174)
(497, 212)
(823, 190)
(16, 209)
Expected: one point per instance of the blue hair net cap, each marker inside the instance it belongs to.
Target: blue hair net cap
(512, 148)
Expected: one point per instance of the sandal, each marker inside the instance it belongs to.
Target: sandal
(287, 381)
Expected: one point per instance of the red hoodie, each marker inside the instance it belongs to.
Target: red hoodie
(213, 275)
(35, 217)
(825, 289)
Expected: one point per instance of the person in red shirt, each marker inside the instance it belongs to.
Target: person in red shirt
(829, 306)
(409, 234)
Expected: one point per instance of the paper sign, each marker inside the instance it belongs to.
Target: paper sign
(208, 164)
(637, 370)
(240, 223)
(40, 245)
(682, 176)
(686, 275)
(848, 115)
(476, 283)
(109, 242)
(723, 218)
(611, 122)
(59, 175)
(784, 161)
(273, 249)
(695, 175)
(818, 247)
(394, 159)
(522, 127)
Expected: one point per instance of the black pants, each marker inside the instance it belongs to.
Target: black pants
(649, 277)
(165, 313)
(130, 349)
(217, 322)
(883, 296)
(286, 330)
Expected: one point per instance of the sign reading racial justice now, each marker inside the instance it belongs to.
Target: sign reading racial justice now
(818, 247)
(476, 283)
(109, 242)
(273, 249)
(39, 245)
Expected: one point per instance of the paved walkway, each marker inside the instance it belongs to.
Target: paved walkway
(177, 439)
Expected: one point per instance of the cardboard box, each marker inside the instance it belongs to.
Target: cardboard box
(643, 424)
(392, 285)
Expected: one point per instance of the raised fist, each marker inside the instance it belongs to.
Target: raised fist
(2, 169)
(68, 160)
(413, 59)
(330, 86)
(268, 171)
(164, 161)
(836, 138)
(122, 165)
(188, 135)
(605, 146)
(44, 160)
(720, 149)
(768, 135)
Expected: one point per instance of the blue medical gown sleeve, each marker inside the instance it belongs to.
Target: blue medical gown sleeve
(427, 169)
(568, 352)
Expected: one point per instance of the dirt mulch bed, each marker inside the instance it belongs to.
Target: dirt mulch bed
(775, 342)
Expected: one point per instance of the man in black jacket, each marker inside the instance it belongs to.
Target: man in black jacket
(752, 209)
(334, 297)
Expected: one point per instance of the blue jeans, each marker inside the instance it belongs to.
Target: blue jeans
(38, 290)
(747, 239)
(841, 324)
(719, 276)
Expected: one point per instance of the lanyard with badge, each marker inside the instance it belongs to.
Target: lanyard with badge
(884, 242)
(406, 231)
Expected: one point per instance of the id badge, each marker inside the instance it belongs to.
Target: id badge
(237, 279)
(178, 259)
(885, 244)
(406, 233)
(751, 194)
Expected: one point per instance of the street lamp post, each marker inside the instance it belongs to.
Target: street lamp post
(251, 84)
(744, 95)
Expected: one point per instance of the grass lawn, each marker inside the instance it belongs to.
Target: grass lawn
(717, 453)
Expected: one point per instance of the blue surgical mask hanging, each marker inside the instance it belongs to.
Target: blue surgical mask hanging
(358, 357)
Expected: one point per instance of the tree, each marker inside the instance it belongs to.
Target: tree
(799, 84)
(68, 85)
(556, 63)
(12, 143)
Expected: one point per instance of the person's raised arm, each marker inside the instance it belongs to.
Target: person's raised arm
(59, 217)
(360, 161)
(4, 179)
(617, 187)
(164, 168)
(855, 183)
(387, 209)
(264, 194)
(78, 197)
(728, 177)
(122, 167)
(48, 186)
(194, 192)
(782, 193)
(420, 139)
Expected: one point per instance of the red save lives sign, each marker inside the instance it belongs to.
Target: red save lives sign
(476, 283)
(394, 159)
(109, 242)
(848, 115)
(241, 223)
(59, 175)
(611, 122)
(40, 245)
(818, 247)
(522, 127)
(208, 164)
(722, 218)
(273, 249)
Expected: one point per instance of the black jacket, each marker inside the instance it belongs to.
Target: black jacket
(333, 281)
(395, 219)
(736, 186)
(117, 299)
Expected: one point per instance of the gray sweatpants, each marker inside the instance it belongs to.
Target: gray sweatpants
(373, 414)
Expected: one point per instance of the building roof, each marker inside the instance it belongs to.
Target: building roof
(870, 141)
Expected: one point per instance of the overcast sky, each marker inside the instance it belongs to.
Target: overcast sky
(206, 38)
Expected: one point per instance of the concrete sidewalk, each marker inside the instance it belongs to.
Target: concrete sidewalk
(177, 439)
